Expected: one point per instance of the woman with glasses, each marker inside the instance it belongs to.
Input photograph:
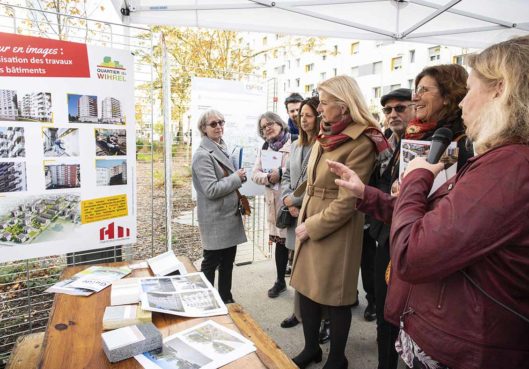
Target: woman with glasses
(329, 232)
(268, 171)
(216, 182)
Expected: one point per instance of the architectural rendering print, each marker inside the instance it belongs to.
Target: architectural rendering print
(90, 109)
(12, 142)
(38, 219)
(34, 106)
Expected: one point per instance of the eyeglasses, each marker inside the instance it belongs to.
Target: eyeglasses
(421, 90)
(214, 123)
(267, 125)
(399, 108)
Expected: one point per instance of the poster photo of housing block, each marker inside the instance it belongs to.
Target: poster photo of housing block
(26, 106)
(60, 142)
(111, 172)
(13, 177)
(94, 109)
(62, 176)
(31, 219)
(111, 142)
(12, 142)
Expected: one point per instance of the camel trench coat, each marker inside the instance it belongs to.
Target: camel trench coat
(326, 265)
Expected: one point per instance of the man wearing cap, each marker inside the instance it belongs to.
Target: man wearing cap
(398, 110)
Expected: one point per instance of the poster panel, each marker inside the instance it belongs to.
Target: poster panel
(67, 147)
(241, 104)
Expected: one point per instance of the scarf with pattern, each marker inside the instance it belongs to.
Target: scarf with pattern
(331, 136)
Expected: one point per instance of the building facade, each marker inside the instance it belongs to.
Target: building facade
(111, 111)
(13, 177)
(36, 106)
(12, 142)
(87, 109)
(8, 104)
(64, 175)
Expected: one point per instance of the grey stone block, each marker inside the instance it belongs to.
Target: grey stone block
(124, 343)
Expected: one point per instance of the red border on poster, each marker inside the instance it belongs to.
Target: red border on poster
(27, 56)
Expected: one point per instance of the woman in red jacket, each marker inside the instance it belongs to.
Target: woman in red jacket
(460, 275)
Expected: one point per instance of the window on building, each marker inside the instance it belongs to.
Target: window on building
(396, 63)
(298, 62)
(288, 83)
(354, 72)
(335, 49)
(309, 67)
(355, 47)
(394, 87)
(309, 88)
(324, 57)
(411, 84)
(297, 82)
(265, 41)
(288, 64)
(377, 67)
(412, 56)
(274, 54)
(459, 59)
(284, 86)
(264, 73)
(434, 53)
(377, 92)
(323, 76)
(281, 69)
(265, 57)
(335, 71)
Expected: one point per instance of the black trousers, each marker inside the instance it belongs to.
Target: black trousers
(222, 259)
(367, 267)
(386, 332)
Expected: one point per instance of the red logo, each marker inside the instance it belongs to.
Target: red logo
(109, 232)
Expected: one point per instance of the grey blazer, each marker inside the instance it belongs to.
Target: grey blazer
(290, 178)
(219, 220)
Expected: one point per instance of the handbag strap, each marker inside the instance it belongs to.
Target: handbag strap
(226, 174)
(475, 284)
(303, 169)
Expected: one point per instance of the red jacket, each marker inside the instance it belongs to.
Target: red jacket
(477, 222)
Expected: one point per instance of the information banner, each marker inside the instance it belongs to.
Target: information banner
(241, 104)
(67, 147)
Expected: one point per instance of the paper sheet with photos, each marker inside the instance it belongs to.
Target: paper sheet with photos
(410, 149)
(189, 295)
(207, 345)
(90, 280)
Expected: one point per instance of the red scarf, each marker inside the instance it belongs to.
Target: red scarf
(378, 139)
(330, 136)
(416, 129)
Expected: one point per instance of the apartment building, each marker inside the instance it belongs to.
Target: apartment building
(111, 111)
(116, 174)
(12, 142)
(63, 176)
(87, 109)
(36, 106)
(378, 67)
(13, 177)
(8, 104)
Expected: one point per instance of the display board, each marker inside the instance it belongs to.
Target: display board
(241, 104)
(67, 147)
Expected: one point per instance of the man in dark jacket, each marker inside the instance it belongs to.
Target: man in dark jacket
(398, 110)
(292, 104)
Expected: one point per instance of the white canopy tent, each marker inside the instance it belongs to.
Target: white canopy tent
(464, 23)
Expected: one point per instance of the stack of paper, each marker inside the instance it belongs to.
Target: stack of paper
(90, 280)
(122, 316)
(125, 291)
(205, 346)
(165, 264)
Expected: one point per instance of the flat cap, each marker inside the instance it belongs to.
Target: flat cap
(398, 94)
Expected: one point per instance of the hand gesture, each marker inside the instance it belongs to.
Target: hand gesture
(273, 177)
(301, 232)
(288, 201)
(294, 211)
(349, 179)
(242, 174)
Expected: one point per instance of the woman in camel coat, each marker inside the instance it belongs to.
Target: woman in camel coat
(330, 230)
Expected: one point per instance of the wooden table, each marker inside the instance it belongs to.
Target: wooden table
(73, 335)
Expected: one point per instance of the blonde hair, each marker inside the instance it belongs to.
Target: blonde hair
(345, 90)
(506, 118)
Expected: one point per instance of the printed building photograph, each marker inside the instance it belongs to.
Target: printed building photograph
(12, 142)
(91, 109)
(111, 172)
(62, 176)
(60, 142)
(13, 177)
(32, 106)
(111, 142)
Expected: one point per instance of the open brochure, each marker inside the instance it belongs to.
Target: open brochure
(208, 345)
(90, 280)
(191, 296)
(410, 149)
(165, 264)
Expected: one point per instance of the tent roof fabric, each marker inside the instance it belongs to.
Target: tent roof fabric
(465, 23)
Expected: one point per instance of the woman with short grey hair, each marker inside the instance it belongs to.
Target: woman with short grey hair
(274, 131)
(216, 182)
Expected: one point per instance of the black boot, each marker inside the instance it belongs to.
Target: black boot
(370, 312)
(325, 331)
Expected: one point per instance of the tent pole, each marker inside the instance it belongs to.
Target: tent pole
(429, 18)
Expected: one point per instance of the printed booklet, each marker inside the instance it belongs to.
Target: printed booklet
(207, 345)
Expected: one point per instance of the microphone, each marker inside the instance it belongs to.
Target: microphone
(440, 141)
